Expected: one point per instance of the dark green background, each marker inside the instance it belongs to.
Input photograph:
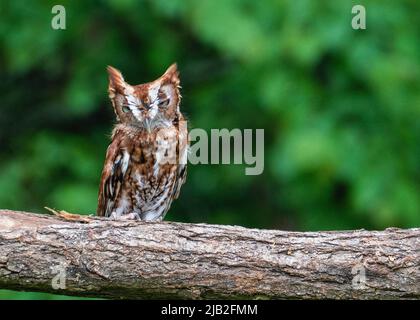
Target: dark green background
(340, 107)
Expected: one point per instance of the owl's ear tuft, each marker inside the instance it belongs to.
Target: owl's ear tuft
(172, 74)
(116, 81)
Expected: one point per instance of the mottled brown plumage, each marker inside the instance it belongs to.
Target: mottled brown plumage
(145, 164)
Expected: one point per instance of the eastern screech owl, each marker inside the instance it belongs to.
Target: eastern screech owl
(145, 163)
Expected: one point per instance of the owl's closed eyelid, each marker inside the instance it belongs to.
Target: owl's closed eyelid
(164, 103)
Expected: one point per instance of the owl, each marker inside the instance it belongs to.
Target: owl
(145, 164)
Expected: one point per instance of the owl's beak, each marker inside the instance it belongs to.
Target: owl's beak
(147, 124)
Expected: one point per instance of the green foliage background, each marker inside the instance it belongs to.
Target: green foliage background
(340, 107)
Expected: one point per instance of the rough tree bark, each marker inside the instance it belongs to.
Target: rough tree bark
(139, 260)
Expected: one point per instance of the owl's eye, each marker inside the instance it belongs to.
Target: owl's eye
(125, 108)
(163, 103)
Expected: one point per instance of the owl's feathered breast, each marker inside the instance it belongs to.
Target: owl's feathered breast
(142, 172)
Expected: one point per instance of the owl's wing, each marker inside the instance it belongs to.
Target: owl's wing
(182, 176)
(115, 167)
(182, 166)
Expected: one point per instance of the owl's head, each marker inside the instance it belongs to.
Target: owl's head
(150, 105)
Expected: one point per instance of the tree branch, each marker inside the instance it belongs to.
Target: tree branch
(143, 260)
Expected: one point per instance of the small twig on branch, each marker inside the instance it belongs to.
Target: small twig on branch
(142, 260)
(70, 216)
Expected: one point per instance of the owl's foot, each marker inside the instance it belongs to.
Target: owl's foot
(128, 216)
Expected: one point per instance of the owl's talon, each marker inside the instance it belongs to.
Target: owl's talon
(128, 216)
(131, 216)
